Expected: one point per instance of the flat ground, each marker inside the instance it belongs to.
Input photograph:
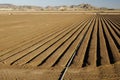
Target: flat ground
(59, 46)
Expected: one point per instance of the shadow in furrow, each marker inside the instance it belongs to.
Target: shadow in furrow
(111, 58)
(85, 61)
(98, 47)
(115, 41)
(111, 23)
(67, 48)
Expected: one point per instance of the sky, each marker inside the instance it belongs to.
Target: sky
(44, 3)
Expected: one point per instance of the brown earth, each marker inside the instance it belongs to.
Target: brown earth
(59, 46)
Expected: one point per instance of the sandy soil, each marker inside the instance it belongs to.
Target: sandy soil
(59, 46)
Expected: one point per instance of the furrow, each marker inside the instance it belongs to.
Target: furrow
(65, 58)
(114, 27)
(40, 57)
(30, 55)
(79, 58)
(33, 47)
(113, 51)
(91, 52)
(55, 56)
(114, 21)
(24, 45)
(103, 56)
(29, 50)
(112, 33)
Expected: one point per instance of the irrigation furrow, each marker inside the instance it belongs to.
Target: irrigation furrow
(34, 40)
(71, 58)
(113, 51)
(29, 41)
(35, 50)
(40, 57)
(72, 49)
(52, 59)
(30, 56)
(114, 27)
(91, 41)
(30, 48)
(78, 60)
(114, 36)
(103, 55)
(114, 20)
(91, 53)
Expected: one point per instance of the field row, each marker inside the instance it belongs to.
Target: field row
(61, 46)
(91, 41)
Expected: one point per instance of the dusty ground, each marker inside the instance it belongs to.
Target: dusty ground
(59, 46)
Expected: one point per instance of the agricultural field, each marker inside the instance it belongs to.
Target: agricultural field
(59, 46)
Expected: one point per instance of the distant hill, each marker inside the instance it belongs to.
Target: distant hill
(19, 8)
(11, 7)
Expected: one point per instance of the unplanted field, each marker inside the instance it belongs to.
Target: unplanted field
(59, 46)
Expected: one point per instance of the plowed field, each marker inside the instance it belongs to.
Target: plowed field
(59, 47)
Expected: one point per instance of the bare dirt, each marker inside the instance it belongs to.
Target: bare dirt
(59, 46)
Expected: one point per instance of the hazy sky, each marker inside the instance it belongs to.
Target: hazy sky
(98, 3)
